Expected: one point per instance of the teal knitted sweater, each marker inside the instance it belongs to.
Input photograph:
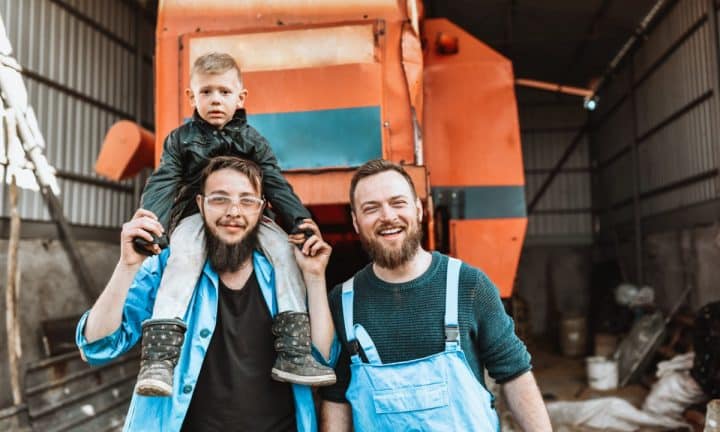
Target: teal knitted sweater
(405, 321)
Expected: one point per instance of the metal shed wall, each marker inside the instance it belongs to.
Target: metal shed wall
(663, 103)
(79, 59)
(548, 125)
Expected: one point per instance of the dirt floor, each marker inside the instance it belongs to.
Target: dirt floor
(563, 379)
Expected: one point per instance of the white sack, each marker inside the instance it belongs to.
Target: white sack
(612, 414)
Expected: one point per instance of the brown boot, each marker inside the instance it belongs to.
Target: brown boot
(295, 363)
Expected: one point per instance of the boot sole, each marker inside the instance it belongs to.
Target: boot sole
(316, 380)
(151, 387)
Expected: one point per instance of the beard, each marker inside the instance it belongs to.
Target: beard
(227, 257)
(393, 258)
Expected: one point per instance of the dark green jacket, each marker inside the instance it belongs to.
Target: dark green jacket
(170, 191)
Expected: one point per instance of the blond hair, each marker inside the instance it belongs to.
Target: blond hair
(215, 63)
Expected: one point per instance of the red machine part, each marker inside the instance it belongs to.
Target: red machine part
(471, 140)
(462, 95)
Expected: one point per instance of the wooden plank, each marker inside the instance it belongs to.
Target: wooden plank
(14, 418)
(84, 407)
(58, 335)
(111, 418)
(48, 397)
(12, 324)
(125, 364)
(60, 367)
(64, 393)
(53, 368)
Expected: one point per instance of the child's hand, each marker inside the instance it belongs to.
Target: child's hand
(314, 256)
(144, 224)
(304, 232)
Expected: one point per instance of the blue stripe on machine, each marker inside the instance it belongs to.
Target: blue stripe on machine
(481, 202)
(325, 138)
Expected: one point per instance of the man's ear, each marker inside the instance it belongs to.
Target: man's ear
(354, 220)
(242, 97)
(419, 206)
(191, 96)
(199, 200)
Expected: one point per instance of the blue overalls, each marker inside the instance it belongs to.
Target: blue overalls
(434, 393)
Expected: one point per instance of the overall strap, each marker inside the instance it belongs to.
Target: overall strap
(452, 331)
(347, 308)
(367, 345)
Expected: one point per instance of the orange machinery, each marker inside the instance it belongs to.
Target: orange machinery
(334, 83)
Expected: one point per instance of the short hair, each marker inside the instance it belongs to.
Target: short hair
(215, 63)
(243, 166)
(377, 166)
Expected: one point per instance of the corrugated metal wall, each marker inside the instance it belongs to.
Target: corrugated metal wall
(548, 125)
(663, 100)
(80, 59)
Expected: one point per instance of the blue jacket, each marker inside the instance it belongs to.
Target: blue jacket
(168, 413)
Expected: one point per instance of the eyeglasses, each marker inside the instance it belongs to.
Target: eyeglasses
(246, 204)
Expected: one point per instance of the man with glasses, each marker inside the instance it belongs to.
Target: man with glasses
(222, 382)
(219, 128)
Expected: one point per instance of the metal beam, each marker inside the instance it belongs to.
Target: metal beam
(659, 9)
(95, 181)
(635, 157)
(554, 87)
(694, 215)
(668, 187)
(602, 165)
(679, 42)
(47, 230)
(558, 166)
(67, 238)
(715, 33)
(654, 66)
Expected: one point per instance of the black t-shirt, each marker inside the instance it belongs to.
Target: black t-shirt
(234, 391)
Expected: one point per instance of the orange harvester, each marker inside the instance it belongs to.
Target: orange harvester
(334, 83)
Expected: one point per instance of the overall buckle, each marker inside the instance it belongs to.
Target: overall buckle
(354, 347)
(452, 333)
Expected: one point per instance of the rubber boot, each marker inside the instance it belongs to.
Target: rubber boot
(295, 363)
(162, 341)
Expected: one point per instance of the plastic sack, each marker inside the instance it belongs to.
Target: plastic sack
(612, 414)
(675, 390)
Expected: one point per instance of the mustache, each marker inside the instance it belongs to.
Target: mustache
(231, 223)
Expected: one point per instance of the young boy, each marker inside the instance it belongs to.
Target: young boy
(219, 127)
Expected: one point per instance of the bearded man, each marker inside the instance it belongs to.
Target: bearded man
(222, 378)
(417, 328)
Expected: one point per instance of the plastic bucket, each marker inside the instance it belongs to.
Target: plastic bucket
(602, 373)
